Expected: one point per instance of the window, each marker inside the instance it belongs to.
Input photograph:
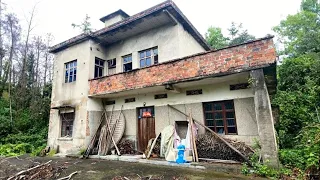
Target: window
(239, 86)
(129, 100)
(127, 63)
(98, 67)
(148, 57)
(112, 63)
(67, 124)
(193, 92)
(160, 96)
(220, 117)
(70, 71)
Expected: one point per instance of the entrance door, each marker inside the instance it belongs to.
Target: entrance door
(146, 127)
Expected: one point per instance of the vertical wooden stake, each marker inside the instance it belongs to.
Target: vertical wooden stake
(194, 146)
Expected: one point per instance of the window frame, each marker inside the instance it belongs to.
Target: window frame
(113, 66)
(69, 67)
(98, 66)
(154, 57)
(69, 122)
(125, 63)
(224, 118)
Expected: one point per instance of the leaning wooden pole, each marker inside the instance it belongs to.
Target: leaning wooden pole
(194, 145)
(215, 134)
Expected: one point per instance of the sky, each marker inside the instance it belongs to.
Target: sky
(56, 16)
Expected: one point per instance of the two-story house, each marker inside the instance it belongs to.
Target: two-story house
(149, 60)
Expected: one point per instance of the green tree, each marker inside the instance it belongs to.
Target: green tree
(300, 33)
(84, 26)
(215, 38)
(238, 35)
(298, 96)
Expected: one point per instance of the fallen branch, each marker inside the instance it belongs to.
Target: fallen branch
(68, 177)
(28, 170)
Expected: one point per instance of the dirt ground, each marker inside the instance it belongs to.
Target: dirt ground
(113, 170)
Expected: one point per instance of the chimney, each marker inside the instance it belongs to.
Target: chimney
(114, 17)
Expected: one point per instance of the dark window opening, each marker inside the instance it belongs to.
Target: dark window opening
(220, 117)
(239, 86)
(110, 102)
(70, 71)
(98, 67)
(129, 100)
(160, 96)
(148, 57)
(67, 124)
(127, 63)
(194, 92)
(112, 64)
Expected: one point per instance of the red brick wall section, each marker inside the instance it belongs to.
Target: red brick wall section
(243, 57)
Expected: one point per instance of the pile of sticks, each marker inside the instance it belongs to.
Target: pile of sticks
(212, 134)
(213, 148)
(102, 142)
(41, 171)
(126, 147)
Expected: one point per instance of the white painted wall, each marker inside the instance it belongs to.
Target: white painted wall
(113, 20)
(172, 42)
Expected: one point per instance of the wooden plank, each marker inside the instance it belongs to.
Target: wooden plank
(215, 134)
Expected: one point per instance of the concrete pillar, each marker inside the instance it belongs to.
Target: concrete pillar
(267, 136)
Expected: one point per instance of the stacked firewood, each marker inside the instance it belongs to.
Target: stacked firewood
(210, 147)
(126, 147)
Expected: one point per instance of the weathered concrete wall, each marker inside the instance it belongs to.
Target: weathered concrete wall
(164, 115)
(238, 58)
(267, 135)
(113, 20)
(74, 94)
(172, 42)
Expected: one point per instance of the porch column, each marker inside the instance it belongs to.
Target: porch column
(267, 136)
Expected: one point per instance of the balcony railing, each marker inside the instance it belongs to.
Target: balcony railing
(251, 55)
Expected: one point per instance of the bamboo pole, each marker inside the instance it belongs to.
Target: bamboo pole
(194, 145)
(215, 134)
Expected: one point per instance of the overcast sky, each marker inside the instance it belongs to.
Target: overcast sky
(56, 16)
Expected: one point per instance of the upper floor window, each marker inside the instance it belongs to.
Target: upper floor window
(148, 57)
(127, 63)
(98, 67)
(70, 71)
(220, 117)
(112, 63)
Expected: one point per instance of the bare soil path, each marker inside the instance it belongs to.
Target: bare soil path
(114, 170)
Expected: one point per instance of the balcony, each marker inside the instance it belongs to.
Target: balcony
(244, 57)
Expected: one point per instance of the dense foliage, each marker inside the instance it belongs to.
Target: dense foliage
(25, 86)
(237, 35)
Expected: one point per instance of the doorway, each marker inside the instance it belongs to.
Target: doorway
(146, 127)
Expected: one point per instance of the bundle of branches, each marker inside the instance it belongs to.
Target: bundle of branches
(126, 147)
(156, 148)
(42, 171)
(209, 146)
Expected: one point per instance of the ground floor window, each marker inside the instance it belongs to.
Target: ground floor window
(220, 116)
(67, 124)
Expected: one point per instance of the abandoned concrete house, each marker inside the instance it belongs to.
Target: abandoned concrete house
(144, 62)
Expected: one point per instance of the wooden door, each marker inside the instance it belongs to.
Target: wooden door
(146, 127)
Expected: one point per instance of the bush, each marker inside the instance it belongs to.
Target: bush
(292, 158)
(15, 149)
